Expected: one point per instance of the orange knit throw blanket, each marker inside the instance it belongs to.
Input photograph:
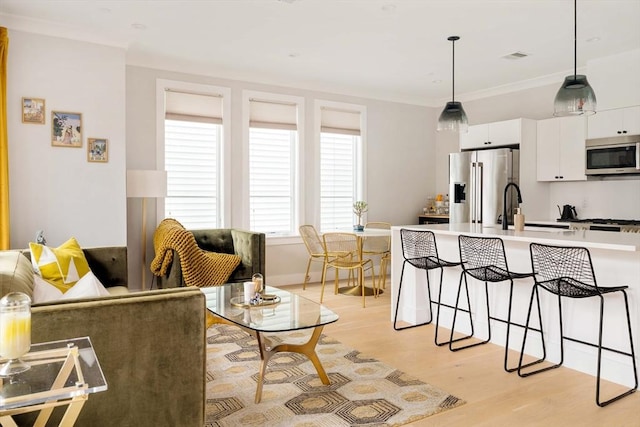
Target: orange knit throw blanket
(199, 268)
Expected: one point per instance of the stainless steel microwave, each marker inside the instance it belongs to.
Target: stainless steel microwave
(613, 156)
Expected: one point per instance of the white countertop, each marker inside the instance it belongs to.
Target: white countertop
(616, 241)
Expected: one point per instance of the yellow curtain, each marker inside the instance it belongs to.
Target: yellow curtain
(4, 143)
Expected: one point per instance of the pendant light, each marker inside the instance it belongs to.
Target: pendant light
(575, 96)
(453, 118)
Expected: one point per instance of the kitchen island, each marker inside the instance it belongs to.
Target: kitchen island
(616, 261)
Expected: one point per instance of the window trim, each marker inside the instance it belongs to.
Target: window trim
(162, 85)
(361, 192)
(298, 169)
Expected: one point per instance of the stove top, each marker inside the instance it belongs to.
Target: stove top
(604, 224)
(608, 221)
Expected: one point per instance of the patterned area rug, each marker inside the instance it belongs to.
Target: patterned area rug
(363, 391)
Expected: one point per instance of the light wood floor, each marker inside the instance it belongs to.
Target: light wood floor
(494, 398)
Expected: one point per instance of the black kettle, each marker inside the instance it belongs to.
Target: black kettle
(568, 212)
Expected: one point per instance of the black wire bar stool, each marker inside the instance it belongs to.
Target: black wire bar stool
(484, 259)
(420, 250)
(568, 272)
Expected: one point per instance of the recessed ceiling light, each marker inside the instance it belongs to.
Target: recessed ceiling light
(438, 81)
(294, 55)
(593, 39)
(388, 7)
(137, 26)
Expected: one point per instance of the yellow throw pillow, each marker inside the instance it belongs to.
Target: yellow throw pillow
(62, 266)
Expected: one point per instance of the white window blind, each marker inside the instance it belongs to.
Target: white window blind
(193, 107)
(338, 180)
(340, 174)
(340, 121)
(272, 167)
(272, 115)
(192, 152)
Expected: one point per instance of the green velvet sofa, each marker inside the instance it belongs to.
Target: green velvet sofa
(249, 245)
(151, 345)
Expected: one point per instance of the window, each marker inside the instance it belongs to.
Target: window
(341, 167)
(273, 166)
(192, 158)
(192, 164)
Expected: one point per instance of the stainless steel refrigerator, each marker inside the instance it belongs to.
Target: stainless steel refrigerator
(477, 180)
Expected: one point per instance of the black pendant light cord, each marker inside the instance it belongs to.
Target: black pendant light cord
(453, 71)
(453, 39)
(575, 39)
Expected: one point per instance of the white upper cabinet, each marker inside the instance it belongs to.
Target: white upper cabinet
(491, 135)
(621, 121)
(561, 149)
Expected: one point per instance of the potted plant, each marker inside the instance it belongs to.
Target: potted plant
(359, 208)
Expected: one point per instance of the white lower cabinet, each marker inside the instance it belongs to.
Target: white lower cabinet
(561, 149)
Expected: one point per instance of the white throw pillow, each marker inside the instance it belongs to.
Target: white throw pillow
(44, 291)
(87, 287)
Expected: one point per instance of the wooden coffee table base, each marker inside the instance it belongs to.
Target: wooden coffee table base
(308, 349)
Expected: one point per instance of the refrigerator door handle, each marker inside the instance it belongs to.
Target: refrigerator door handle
(472, 194)
(480, 181)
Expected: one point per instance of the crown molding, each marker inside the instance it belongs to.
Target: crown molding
(47, 28)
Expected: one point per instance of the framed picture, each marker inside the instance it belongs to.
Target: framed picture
(33, 110)
(66, 129)
(98, 150)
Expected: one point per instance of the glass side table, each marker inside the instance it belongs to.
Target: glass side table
(62, 373)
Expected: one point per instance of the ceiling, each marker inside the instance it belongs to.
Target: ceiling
(385, 49)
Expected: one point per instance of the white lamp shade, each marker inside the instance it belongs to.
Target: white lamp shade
(146, 183)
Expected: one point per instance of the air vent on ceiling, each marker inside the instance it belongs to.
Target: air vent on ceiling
(516, 55)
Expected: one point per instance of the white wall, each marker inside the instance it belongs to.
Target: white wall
(55, 189)
(615, 80)
(400, 151)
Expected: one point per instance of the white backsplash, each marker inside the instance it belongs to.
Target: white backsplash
(619, 198)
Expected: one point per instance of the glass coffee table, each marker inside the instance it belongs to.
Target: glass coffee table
(282, 312)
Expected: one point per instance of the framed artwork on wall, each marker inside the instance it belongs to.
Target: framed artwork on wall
(98, 150)
(66, 129)
(33, 110)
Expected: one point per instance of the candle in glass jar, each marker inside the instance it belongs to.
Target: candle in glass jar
(15, 334)
(258, 282)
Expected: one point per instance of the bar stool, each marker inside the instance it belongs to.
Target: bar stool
(568, 272)
(484, 259)
(420, 250)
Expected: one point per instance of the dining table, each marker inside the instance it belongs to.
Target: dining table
(362, 235)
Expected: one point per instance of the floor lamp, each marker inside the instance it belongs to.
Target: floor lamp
(146, 184)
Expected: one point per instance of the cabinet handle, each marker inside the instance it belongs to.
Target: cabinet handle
(619, 132)
(624, 131)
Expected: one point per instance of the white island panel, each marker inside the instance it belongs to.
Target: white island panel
(616, 261)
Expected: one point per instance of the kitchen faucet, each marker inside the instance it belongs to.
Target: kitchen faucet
(505, 221)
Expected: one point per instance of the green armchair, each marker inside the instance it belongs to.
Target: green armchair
(249, 245)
